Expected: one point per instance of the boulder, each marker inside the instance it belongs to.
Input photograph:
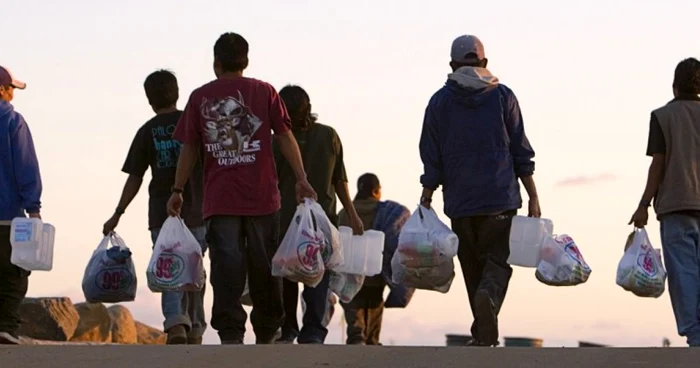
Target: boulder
(148, 335)
(95, 323)
(123, 325)
(54, 319)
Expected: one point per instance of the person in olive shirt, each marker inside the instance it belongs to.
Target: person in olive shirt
(322, 153)
(154, 147)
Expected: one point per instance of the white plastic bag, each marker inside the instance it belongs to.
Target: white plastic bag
(110, 276)
(345, 285)
(641, 270)
(299, 255)
(424, 256)
(332, 253)
(561, 262)
(176, 263)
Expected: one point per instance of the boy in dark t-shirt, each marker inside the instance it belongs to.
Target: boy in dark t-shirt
(154, 147)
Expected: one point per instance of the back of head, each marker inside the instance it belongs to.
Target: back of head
(298, 105)
(161, 89)
(467, 50)
(687, 77)
(231, 52)
(367, 185)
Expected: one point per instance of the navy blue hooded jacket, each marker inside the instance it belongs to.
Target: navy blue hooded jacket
(473, 144)
(20, 181)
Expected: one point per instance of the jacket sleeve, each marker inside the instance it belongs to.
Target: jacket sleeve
(520, 147)
(429, 147)
(26, 167)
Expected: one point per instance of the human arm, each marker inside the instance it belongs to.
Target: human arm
(26, 167)
(430, 155)
(522, 152)
(656, 148)
(189, 132)
(129, 192)
(340, 184)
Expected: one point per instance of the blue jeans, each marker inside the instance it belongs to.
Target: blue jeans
(185, 308)
(680, 237)
(316, 298)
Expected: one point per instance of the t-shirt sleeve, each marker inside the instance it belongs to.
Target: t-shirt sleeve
(138, 158)
(657, 141)
(189, 127)
(279, 117)
(339, 174)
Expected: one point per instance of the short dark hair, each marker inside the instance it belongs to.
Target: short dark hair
(298, 103)
(161, 89)
(231, 51)
(366, 185)
(687, 77)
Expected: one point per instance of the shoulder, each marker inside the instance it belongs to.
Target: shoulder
(325, 129)
(16, 121)
(506, 92)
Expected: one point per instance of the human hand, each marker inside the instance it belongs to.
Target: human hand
(304, 190)
(426, 201)
(175, 204)
(356, 224)
(36, 215)
(640, 217)
(110, 225)
(534, 208)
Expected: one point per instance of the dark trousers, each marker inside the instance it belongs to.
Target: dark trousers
(14, 282)
(240, 245)
(364, 316)
(316, 299)
(484, 248)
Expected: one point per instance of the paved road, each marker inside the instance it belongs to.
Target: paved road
(293, 356)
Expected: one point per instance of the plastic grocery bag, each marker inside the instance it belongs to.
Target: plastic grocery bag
(110, 276)
(345, 285)
(298, 257)
(424, 256)
(641, 270)
(330, 308)
(176, 263)
(561, 263)
(331, 252)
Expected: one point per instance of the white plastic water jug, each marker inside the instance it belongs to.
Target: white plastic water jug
(527, 235)
(32, 244)
(362, 254)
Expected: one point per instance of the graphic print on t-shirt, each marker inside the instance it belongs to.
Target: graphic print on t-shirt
(229, 126)
(167, 149)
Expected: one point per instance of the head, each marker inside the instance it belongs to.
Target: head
(687, 78)
(368, 186)
(8, 84)
(298, 106)
(468, 50)
(230, 54)
(161, 90)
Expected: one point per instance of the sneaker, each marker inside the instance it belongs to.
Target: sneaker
(477, 343)
(268, 340)
(177, 335)
(232, 342)
(486, 319)
(194, 341)
(286, 339)
(7, 338)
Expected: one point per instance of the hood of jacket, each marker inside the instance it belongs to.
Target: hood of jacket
(471, 85)
(6, 109)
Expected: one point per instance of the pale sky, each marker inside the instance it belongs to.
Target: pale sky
(587, 75)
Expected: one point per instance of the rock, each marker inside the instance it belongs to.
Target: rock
(29, 341)
(54, 319)
(123, 325)
(148, 335)
(95, 323)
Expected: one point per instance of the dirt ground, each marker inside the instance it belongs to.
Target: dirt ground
(293, 356)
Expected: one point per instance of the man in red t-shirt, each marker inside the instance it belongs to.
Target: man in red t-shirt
(231, 119)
